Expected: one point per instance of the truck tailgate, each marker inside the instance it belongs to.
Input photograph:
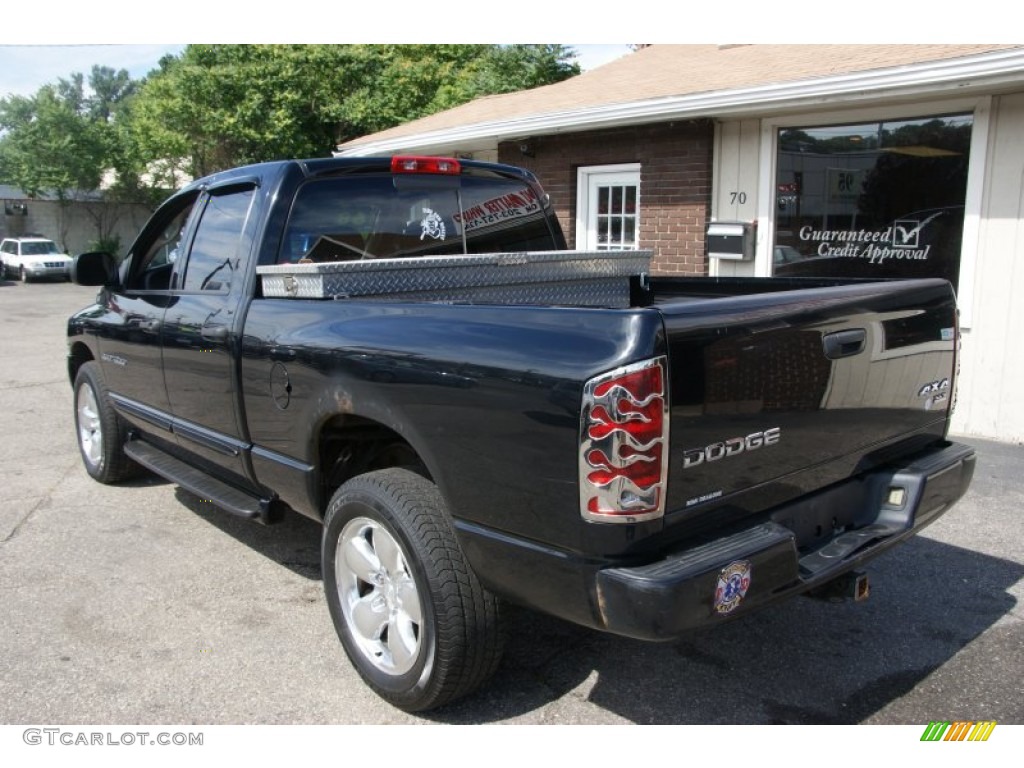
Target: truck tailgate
(777, 394)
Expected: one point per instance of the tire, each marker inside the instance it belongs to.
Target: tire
(101, 434)
(412, 617)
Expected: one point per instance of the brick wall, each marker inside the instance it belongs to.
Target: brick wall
(675, 182)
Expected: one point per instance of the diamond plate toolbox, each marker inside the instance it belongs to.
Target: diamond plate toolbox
(595, 278)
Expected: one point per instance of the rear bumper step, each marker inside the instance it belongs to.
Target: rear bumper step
(735, 574)
(225, 496)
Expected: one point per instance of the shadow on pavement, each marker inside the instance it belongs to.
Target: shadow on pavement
(293, 543)
(802, 661)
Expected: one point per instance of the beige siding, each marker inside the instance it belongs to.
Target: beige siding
(991, 402)
(736, 164)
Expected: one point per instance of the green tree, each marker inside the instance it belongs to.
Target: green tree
(110, 90)
(49, 145)
(61, 141)
(216, 106)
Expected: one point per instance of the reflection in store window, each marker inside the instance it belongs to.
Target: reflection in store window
(881, 199)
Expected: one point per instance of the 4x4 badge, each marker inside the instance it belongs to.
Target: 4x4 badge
(932, 387)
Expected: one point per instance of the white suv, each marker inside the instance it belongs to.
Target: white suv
(28, 258)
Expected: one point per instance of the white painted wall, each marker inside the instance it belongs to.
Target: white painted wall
(48, 219)
(991, 402)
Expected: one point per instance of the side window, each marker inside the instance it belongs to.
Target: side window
(152, 272)
(222, 240)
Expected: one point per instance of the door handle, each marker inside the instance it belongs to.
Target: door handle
(281, 354)
(214, 332)
(844, 343)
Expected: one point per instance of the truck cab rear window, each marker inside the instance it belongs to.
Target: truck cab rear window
(394, 217)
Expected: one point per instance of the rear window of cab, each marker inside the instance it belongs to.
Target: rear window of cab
(386, 216)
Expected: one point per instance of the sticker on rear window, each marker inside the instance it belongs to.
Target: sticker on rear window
(432, 225)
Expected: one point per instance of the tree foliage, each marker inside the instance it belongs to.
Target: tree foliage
(50, 143)
(61, 140)
(901, 181)
(217, 106)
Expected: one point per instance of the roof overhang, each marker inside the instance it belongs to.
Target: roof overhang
(986, 73)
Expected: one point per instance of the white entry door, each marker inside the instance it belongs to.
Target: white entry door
(608, 208)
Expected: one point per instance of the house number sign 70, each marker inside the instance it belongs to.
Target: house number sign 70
(737, 197)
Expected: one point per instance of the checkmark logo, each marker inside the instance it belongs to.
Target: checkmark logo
(906, 232)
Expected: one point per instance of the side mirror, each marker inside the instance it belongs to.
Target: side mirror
(94, 268)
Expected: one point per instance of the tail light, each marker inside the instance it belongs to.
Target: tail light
(624, 444)
(409, 164)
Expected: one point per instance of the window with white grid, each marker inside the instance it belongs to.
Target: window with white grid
(608, 208)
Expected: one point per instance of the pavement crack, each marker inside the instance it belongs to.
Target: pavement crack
(7, 387)
(39, 503)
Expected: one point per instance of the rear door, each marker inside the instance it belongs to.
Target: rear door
(199, 329)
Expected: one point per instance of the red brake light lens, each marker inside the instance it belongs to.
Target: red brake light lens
(439, 165)
(624, 444)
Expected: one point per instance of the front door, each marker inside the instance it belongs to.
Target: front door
(129, 319)
(609, 208)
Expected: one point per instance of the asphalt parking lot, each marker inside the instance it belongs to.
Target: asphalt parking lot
(141, 604)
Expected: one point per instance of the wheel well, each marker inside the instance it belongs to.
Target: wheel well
(352, 445)
(77, 357)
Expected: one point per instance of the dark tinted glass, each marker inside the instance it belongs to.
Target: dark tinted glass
(39, 248)
(881, 199)
(218, 242)
(397, 217)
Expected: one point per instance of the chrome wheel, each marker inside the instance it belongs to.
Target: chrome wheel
(90, 428)
(379, 597)
(411, 615)
(101, 434)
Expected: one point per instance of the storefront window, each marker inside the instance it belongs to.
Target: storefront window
(879, 199)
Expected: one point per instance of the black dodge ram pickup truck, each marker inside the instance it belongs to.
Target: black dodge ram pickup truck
(403, 349)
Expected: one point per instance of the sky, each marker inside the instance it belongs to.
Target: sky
(42, 42)
(24, 68)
